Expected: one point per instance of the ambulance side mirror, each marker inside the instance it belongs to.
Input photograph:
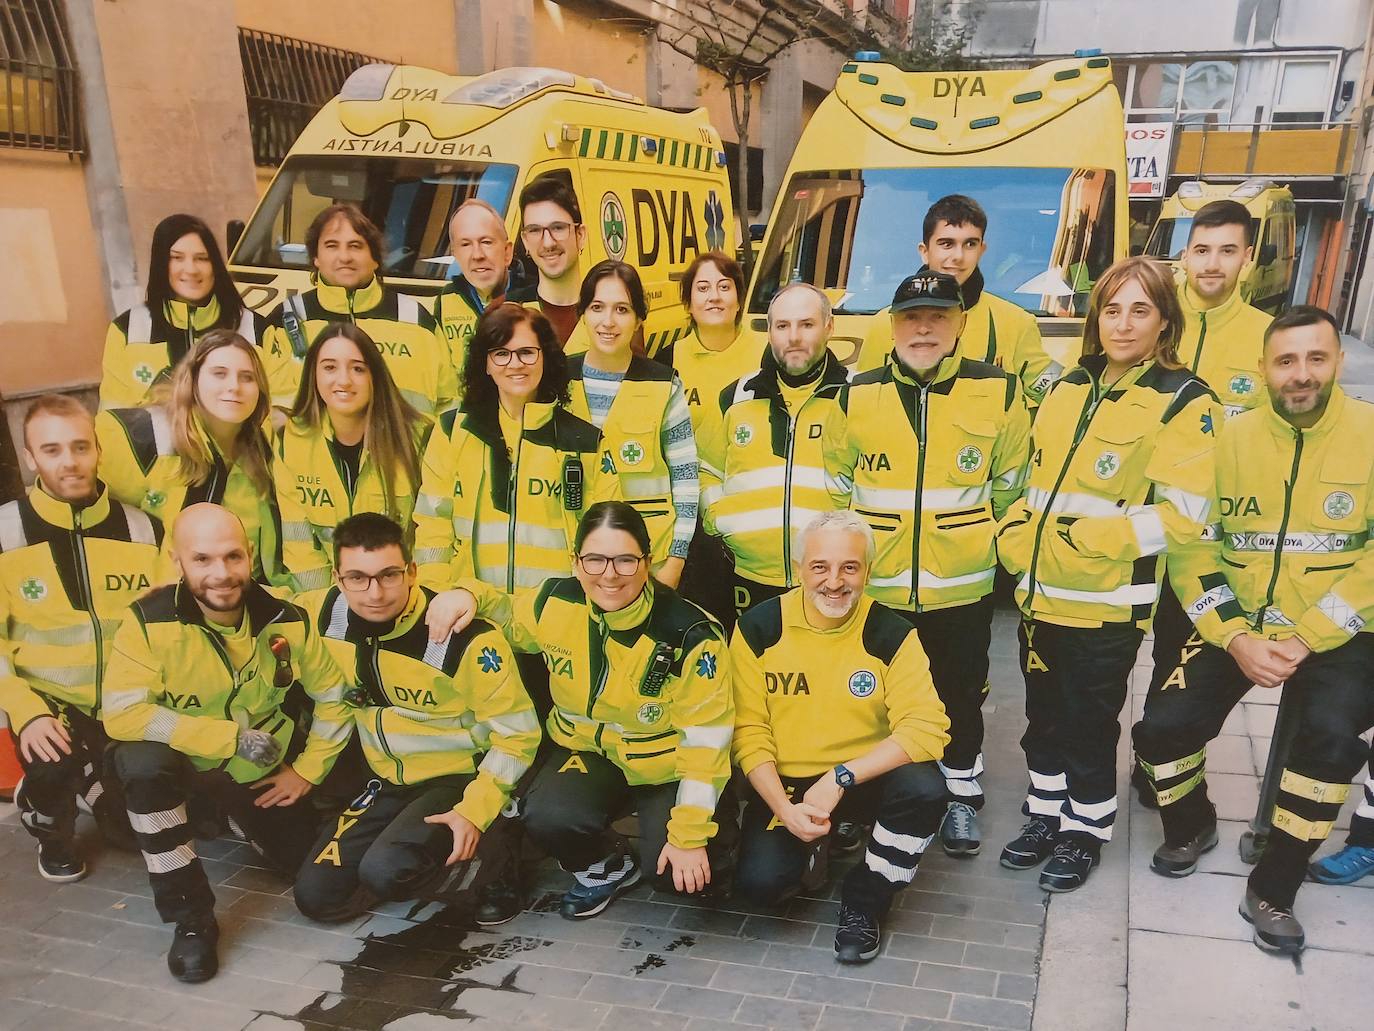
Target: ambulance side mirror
(233, 231)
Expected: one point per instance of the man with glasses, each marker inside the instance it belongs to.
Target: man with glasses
(426, 714)
(553, 234)
(482, 250)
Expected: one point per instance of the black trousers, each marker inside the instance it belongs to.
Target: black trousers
(956, 641)
(379, 846)
(706, 576)
(1076, 681)
(904, 805)
(157, 781)
(51, 788)
(574, 799)
(1335, 694)
(1172, 629)
(748, 593)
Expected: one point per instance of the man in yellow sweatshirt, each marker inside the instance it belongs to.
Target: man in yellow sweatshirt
(835, 717)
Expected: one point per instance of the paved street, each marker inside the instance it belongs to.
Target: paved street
(964, 950)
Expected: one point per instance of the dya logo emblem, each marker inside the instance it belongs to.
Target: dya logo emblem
(613, 233)
(862, 683)
(1106, 465)
(1338, 505)
(969, 459)
(743, 434)
(631, 452)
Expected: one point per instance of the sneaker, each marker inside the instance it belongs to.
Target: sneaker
(857, 939)
(58, 861)
(498, 901)
(959, 830)
(847, 837)
(1033, 846)
(1144, 789)
(193, 956)
(817, 866)
(1344, 867)
(1276, 929)
(1069, 867)
(582, 900)
(1181, 860)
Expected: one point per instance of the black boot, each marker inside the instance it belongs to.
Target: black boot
(194, 955)
(59, 861)
(499, 901)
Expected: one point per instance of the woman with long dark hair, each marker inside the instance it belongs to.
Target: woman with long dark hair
(350, 445)
(189, 293)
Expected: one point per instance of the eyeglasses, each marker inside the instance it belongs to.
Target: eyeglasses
(502, 355)
(355, 582)
(595, 565)
(558, 230)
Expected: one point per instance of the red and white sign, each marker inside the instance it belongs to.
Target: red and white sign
(1148, 146)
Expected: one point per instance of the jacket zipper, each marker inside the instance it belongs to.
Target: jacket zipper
(511, 493)
(377, 693)
(787, 497)
(599, 685)
(1283, 529)
(88, 602)
(1201, 339)
(922, 393)
(233, 673)
(1085, 419)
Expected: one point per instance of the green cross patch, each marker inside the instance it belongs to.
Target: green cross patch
(143, 373)
(1106, 465)
(631, 453)
(969, 459)
(33, 589)
(743, 435)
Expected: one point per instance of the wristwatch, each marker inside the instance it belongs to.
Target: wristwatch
(844, 776)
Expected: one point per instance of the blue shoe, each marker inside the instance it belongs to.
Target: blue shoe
(582, 900)
(1344, 867)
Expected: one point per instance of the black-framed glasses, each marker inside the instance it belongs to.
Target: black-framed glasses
(355, 582)
(558, 230)
(502, 355)
(595, 565)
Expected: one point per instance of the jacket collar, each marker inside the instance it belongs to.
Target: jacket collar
(460, 286)
(794, 614)
(1096, 366)
(1216, 317)
(631, 616)
(973, 289)
(181, 314)
(946, 370)
(767, 381)
(1335, 410)
(344, 301)
(360, 629)
(62, 514)
(261, 607)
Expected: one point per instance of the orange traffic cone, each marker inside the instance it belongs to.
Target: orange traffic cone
(10, 770)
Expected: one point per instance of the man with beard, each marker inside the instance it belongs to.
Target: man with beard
(193, 693)
(762, 475)
(552, 230)
(931, 449)
(1279, 591)
(835, 717)
(71, 560)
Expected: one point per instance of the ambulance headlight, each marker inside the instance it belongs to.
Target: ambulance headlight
(1190, 190)
(367, 83)
(1251, 189)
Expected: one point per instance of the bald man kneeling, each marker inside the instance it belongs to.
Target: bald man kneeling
(193, 693)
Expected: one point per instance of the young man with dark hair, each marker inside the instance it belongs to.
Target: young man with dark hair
(425, 714)
(71, 561)
(552, 231)
(1266, 613)
(996, 331)
(346, 251)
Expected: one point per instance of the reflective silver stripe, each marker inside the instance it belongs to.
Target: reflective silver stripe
(140, 526)
(1069, 502)
(1092, 810)
(932, 499)
(312, 579)
(1012, 479)
(1273, 617)
(434, 653)
(420, 402)
(151, 823)
(1128, 595)
(949, 771)
(512, 723)
(911, 845)
(140, 325)
(421, 744)
(295, 530)
(1302, 543)
(1049, 781)
(325, 533)
(1149, 532)
(11, 528)
(696, 793)
(541, 536)
(429, 505)
(161, 727)
(337, 627)
(756, 479)
(715, 738)
(637, 488)
(963, 787)
(711, 495)
(1200, 606)
(507, 769)
(248, 326)
(166, 862)
(62, 676)
(1234, 410)
(889, 871)
(62, 636)
(330, 730)
(748, 522)
(932, 582)
(426, 556)
(1341, 612)
(407, 309)
(1068, 823)
(1195, 507)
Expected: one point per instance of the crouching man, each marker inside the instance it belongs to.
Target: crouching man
(425, 714)
(836, 718)
(193, 693)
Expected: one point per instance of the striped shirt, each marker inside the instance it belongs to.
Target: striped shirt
(678, 444)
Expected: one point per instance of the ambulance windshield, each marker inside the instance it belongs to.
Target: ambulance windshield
(409, 199)
(1049, 233)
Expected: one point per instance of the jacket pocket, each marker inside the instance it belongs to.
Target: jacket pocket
(961, 542)
(1112, 457)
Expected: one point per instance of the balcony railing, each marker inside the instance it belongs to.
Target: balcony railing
(1244, 149)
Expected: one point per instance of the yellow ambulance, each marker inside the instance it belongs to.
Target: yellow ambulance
(1266, 280)
(408, 145)
(1040, 149)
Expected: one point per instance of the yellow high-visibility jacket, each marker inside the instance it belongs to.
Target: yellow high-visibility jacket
(675, 726)
(807, 699)
(763, 468)
(67, 576)
(1289, 551)
(705, 373)
(139, 462)
(170, 679)
(502, 518)
(1223, 346)
(426, 711)
(996, 331)
(313, 498)
(1119, 474)
(397, 323)
(137, 355)
(930, 467)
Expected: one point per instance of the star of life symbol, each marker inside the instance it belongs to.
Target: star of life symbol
(969, 459)
(490, 660)
(631, 453)
(743, 435)
(706, 666)
(1106, 465)
(1338, 505)
(33, 589)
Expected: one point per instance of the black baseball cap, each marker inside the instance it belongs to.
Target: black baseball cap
(928, 289)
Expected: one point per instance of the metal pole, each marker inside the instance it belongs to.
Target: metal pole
(1285, 730)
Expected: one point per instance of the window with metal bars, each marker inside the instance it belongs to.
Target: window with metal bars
(287, 80)
(39, 107)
